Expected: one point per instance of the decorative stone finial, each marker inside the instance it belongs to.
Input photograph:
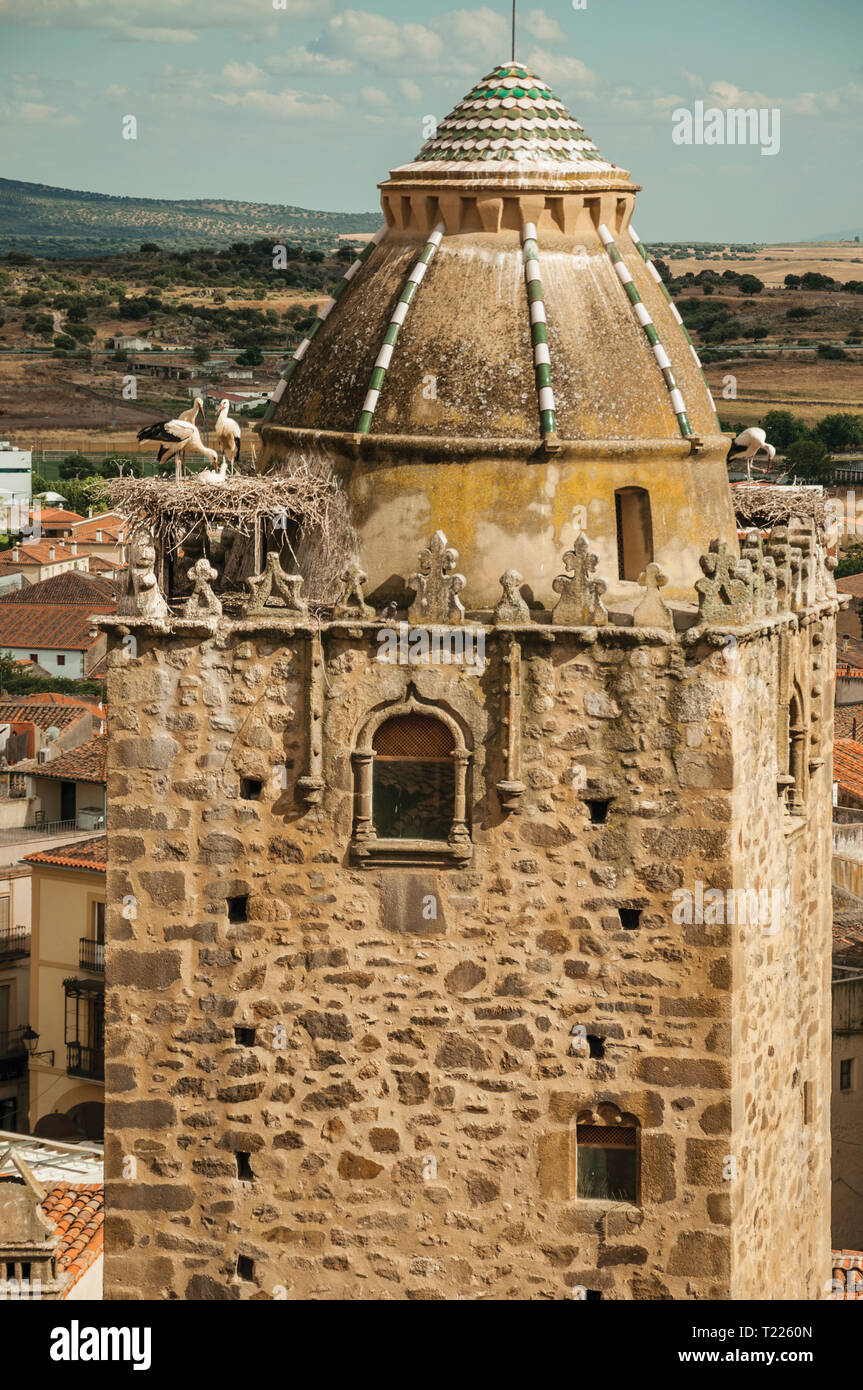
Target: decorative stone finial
(764, 577)
(725, 592)
(273, 585)
(512, 607)
(652, 611)
(580, 603)
(143, 598)
(351, 602)
(437, 585)
(202, 603)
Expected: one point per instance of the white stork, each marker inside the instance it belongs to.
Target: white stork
(174, 437)
(192, 416)
(747, 444)
(228, 435)
(213, 475)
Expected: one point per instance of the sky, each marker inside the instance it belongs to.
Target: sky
(311, 102)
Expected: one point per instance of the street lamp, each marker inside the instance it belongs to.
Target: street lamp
(31, 1038)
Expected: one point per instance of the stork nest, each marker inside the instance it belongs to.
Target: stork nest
(774, 506)
(305, 503)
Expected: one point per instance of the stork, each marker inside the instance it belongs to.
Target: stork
(228, 435)
(178, 435)
(192, 416)
(213, 475)
(747, 444)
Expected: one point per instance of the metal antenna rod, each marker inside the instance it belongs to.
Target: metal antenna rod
(513, 30)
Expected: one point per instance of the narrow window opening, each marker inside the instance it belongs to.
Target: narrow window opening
(606, 1163)
(630, 917)
(845, 1073)
(808, 1101)
(245, 1267)
(598, 811)
(238, 908)
(244, 1037)
(250, 788)
(596, 1045)
(244, 1167)
(796, 756)
(634, 532)
(592, 1295)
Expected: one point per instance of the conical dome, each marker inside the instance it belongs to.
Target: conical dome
(509, 123)
(504, 363)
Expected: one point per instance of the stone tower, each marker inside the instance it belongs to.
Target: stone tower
(481, 950)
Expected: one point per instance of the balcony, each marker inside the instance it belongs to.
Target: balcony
(88, 1062)
(14, 942)
(91, 954)
(13, 1054)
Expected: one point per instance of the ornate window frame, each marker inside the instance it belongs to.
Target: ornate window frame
(366, 848)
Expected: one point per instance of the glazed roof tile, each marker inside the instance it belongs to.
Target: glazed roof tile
(83, 854)
(512, 120)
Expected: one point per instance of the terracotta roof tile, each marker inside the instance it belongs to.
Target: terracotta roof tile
(63, 626)
(848, 722)
(848, 765)
(38, 553)
(84, 764)
(848, 1266)
(42, 713)
(848, 938)
(111, 525)
(54, 516)
(69, 587)
(83, 854)
(77, 1211)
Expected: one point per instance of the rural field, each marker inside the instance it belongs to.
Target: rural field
(766, 344)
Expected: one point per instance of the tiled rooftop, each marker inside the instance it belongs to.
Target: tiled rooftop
(57, 516)
(84, 764)
(24, 709)
(81, 854)
(69, 587)
(851, 584)
(110, 524)
(46, 552)
(848, 938)
(848, 765)
(848, 722)
(78, 1213)
(58, 626)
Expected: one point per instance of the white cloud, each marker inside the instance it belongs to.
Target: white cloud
(142, 35)
(304, 60)
(154, 21)
(374, 96)
(33, 112)
(242, 74)
(560, 70)
(541, 27)
(115, 90)
(285, 104)
(460, 41)
(411, 91)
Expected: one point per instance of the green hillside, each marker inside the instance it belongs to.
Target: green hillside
(62, 222)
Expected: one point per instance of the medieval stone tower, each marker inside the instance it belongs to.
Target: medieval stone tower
(480, 950)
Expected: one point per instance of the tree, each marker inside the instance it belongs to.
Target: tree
(63, 341)
(201, 353)
(808, 458)
(782, 428)
(750, 284)
(792, 282)
(250, 357)
(840, 431)
(150, 248)
(832, 352)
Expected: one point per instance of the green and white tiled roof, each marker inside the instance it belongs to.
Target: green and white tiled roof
(510, 122)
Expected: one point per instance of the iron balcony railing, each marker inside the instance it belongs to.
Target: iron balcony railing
(16, 834)
(14, 941)
(84, 1061)
(12, 1043)
(91, 954)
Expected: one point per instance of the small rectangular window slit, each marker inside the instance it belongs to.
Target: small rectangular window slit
(244, 1037)
(238, 908)
(630, 917)
(245, 1267)
(244, 1167)
(251, 788)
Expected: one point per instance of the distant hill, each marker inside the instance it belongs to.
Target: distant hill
(48, 221)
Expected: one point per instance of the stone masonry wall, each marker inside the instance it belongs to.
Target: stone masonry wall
(410, 1100)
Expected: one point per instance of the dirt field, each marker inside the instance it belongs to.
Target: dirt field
(839, 259)
(808, 389)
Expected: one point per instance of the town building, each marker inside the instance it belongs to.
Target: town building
(103, 536)
(67, 990)
(14, 995)
(16, 475)
(58, 636)
(413, 991)
(52, 1203)
(40, 560)
(66, 790)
